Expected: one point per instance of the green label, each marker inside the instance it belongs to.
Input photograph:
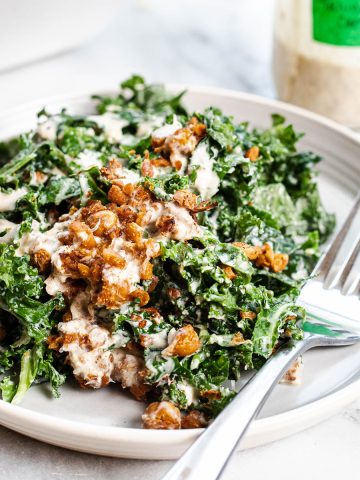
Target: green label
(336, 22)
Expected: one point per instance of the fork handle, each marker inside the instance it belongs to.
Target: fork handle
(208, 455)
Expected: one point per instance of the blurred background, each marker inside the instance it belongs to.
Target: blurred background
(49, 48)
(308, 49)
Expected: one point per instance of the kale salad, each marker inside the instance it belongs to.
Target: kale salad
(153, 248)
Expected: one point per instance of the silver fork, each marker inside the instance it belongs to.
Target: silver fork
(338, 274)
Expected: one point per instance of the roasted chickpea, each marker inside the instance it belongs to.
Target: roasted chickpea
(252, 252)
(229, 272)
(42, 260)
(185, 198)
(133, 232)
(253, 153)
(141, 295)
(146, 271)
(185, 342)
(162, 416)
(280, 261)
(194, 419)
(117, 195)
(82, 234)
(103, 222)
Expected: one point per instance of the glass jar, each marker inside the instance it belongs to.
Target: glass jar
(316, 58)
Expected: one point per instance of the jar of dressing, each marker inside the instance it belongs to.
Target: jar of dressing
(316, 58)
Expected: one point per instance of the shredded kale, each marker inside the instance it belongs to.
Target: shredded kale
(242, 309)
(22, 296)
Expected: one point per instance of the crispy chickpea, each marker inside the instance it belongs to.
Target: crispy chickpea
(253, 153)
(165, 223)
(237, 339)
(128, 188)
(141, 295)
(280, 261)
(248, 314)
(211, 394)
(152, 248)
(133, 232)
(54, 342)
(91, 207)
(112, 296)
(84, 270)
(274, 261)
(252, 252)
(198, 128)
(140, 194)
(185, 342)
(140, 390)
(153, 284)
(229, 272)
(42, 260)
(147, 169)
(194, 419)
(160, 162)
(66, 317)
(146, 271)
(185, 198)
(116, 195)
(266, 257)
(103, 222)
(113, 259)
(162, 416)
(82, 234)
(174, 293)
(293, 374)
(126, 214)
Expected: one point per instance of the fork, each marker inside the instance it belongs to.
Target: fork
(338, 276)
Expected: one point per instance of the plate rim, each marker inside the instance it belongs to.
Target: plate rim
(352, 388)
(176, 88)
(274, 426)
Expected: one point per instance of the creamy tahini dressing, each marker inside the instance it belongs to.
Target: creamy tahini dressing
(38, 178)
(90, 365)
(207, 182)
(129, 275)
(88, 159)
(112, 126)
(158, 340)
(163, 370)
(191, 393)
(185, 226)
(55, 283)
(36, 240)
(127, 176)
(167, 129)
(147, 127)
(10, 229)
(8, 200)
(47, 129)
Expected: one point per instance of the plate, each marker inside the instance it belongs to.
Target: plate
(107, 421)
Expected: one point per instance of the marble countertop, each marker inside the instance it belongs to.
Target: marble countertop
(224, 43)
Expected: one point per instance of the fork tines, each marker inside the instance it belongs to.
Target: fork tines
(340, 265)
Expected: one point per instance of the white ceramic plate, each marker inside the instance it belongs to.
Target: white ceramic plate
(107, 422)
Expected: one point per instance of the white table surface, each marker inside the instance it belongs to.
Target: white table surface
(225, 43)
